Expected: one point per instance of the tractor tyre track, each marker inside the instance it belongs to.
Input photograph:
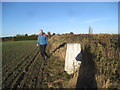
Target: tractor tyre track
(18, 66)
(21, 77)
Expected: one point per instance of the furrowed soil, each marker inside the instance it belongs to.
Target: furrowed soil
(31, 71)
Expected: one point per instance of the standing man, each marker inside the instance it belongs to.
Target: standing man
(42, 42)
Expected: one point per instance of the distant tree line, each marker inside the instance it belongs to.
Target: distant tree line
(25, 37)
(19, 37)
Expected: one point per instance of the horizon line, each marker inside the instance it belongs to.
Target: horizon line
(55, 34)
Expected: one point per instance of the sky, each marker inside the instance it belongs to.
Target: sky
(59, 17)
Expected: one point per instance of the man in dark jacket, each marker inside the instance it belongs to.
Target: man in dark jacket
(42, 42)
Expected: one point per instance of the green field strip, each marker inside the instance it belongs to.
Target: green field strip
(12, 50)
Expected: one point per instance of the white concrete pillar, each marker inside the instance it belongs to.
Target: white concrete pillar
(71, 64)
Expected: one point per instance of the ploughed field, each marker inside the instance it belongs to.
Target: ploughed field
(22, 67)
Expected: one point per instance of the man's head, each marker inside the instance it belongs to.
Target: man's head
(41, 31)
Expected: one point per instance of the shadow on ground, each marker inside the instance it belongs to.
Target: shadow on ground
(87, 71)
(60, 46)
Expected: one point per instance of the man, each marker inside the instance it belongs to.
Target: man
(42, 42)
